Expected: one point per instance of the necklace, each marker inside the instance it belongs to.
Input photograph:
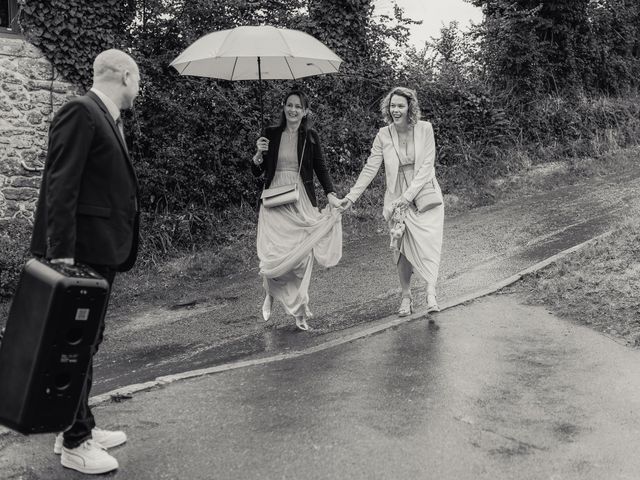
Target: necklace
(290, 134)
(403, 138)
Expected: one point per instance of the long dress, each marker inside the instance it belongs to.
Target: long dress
(291, 236)
(421, 243)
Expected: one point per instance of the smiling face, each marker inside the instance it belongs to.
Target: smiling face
(294, 111)
(399, 110)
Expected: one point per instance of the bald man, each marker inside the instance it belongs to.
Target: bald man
(88, 212)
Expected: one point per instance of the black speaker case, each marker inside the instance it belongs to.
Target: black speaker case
(48, 343)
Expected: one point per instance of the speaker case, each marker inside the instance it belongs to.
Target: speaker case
(48, 343)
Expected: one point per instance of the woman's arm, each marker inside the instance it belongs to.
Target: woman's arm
(426, 172)
(257, 168)
(368, 172)
(257, 162)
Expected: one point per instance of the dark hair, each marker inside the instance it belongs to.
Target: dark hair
(305, 104)
(414, 113)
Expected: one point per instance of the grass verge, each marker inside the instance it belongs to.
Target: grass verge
(597, 286)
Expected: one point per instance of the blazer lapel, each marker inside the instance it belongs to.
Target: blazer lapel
(392, 164)
(302, 136)
(274, 148)
(419, 140)
(112, 124)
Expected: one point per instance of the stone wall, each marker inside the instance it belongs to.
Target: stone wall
(30, 92)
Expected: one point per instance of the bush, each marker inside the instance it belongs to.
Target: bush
(14, 251)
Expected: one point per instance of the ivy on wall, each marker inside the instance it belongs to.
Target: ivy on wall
(72, 32)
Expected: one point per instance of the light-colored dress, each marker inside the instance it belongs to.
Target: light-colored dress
(291, 236)
(421, 243)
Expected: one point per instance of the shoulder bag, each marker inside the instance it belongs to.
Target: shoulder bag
(284, 194)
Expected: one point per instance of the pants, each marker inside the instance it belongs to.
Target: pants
(84, 422)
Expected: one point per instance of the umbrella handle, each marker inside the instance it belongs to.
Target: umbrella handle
(261, 104)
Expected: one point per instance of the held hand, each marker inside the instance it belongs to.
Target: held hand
(334, 201)
(262, 144)
(345, 204)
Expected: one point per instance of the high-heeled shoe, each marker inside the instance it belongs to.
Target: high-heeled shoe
(432, 303)
(301, 323)
(406, 306)
(266, 307)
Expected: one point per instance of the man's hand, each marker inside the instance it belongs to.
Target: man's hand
(65, 261)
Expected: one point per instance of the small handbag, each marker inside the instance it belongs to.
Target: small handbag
(428, 196)
(284, 194)
(276, 196)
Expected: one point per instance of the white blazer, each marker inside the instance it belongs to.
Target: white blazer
(383, 150)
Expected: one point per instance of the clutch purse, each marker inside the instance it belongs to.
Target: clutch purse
(282, 195)
(427, 198)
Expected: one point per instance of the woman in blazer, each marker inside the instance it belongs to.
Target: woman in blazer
(291, 235)
(407, 148)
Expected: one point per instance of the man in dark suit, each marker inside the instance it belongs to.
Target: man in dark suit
(88, 212)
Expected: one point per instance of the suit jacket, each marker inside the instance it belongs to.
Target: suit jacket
(384, 149)
(313, 161)
(88, 207)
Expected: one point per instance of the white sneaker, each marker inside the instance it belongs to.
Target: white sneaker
(106, 439)
(88, 457)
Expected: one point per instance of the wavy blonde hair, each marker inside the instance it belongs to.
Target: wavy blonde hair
(414, 113)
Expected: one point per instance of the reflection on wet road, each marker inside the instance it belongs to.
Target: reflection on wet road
(494, 390)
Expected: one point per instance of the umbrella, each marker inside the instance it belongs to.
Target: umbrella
(257, 53)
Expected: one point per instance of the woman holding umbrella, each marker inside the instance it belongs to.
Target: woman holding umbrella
(291, 234)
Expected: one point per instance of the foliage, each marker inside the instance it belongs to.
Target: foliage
(72, 32)
(531, 77)
(14, 245)
(564, 46)
(511, 50)
(614, 63)
(195, 136)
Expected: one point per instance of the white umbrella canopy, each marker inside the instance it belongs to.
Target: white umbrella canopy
(257, 53)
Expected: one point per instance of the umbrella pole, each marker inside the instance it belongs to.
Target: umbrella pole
(261, 105)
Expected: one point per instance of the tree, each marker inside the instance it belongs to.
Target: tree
(568, 46)
(615, 52)
(511, 53)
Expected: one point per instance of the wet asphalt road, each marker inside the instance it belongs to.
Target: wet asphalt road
(493, 390)
(480, 247)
